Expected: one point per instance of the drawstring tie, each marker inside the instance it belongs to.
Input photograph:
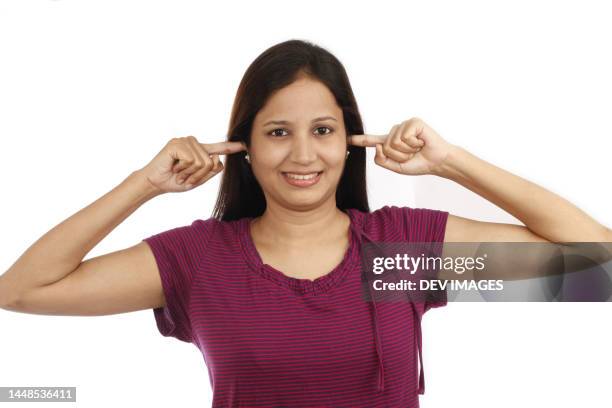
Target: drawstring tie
(377, 338)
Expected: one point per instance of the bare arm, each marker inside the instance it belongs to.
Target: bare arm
(414, 148)
(51, 278)
(547, 216)
(28, 285)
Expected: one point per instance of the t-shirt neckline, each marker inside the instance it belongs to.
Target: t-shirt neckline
(319, 285)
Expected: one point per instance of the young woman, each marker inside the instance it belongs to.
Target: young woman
(269, 287)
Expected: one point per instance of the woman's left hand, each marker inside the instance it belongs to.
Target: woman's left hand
(411, 148)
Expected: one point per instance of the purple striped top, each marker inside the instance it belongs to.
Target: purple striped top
(270, 340)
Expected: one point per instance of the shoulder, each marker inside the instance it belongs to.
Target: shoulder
(189, 240)
(406, 223)
(183, 248)
(197, 230)
(201, 229)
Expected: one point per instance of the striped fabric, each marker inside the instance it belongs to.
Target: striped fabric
(270, 340)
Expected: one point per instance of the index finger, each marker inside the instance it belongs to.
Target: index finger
(223, 147)
(366, 140)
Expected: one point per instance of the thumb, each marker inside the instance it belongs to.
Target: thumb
(218, 164)
(384, 161)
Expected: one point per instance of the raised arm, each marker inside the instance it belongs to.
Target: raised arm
(414, 148)
(50, 277)
(548, 218)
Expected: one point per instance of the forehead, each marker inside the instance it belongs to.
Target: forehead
(300, 100)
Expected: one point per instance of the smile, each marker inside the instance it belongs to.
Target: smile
(302, 180)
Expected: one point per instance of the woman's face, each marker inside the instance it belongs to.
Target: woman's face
(299, 133)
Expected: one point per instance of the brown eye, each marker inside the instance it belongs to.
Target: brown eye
(324, 127)
(273, 133)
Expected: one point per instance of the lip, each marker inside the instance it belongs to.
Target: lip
(302, 183)
(302, 173)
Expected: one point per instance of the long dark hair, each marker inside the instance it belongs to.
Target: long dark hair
(240, 194)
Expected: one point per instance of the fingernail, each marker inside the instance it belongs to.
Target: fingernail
(189, 185)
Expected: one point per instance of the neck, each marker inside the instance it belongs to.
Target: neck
(291, 228)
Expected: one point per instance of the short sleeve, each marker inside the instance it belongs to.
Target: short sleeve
(424, 225)
(178, 253)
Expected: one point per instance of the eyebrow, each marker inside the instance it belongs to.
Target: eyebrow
(284, 122)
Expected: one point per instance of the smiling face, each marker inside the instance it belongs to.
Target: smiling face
(298, 146)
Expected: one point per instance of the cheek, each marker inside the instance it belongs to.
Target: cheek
(267, 160)
(271, 158)
(334, 157)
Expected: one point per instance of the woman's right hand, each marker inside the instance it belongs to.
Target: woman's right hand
(184, 163)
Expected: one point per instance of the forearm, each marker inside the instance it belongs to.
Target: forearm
(60, 251)
(543, 212)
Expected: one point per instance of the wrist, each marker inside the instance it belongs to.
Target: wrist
(140, 182)
(449, 165)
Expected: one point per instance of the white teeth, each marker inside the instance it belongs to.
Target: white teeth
(301, 177)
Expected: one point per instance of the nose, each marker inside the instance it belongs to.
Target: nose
(303, 150)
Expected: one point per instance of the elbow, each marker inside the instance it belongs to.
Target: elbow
(11, 305)
(7, 303)
(11, 302)
(9, 299)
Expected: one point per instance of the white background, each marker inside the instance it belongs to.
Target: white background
(90, 91)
